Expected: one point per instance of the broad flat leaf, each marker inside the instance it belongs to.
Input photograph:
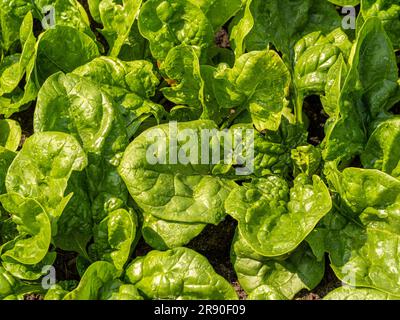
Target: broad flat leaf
(6, 158)
(168, 23)
(362, 237)
(162, 235)
(74, 228)
(63, 48)
(130, 84)
(369, 89)
(117, 18)
(176, 192)
(388, 11)
(219, 12)
(71, 104)
(26, 271)
(185, 274)
(183, 68)
(12, 68)
(12, 14)
(284, 22)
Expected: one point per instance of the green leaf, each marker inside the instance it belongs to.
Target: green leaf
(262, 93)
(368, 90)
(182, 67)
(12, 68)
(25, 271)
(68, 13)
(59, 290)
(174, 192)
(168, 23)
(42, 168)
(10, 134)
(71, 104)
(130, 84)
(273, 221)
(113, 237)
(275, 278)
(118, 19)
(284, 22)
(219, 12)
(349, 293)
(117, 290)
(242, 25)
(186, 275)
(34, 227)
(388, 11)
(12, 14)
(74, 228)
(93, 281)
(6, 158)
(382, 151)
(162, 234)
(362, 236)
(55, 54)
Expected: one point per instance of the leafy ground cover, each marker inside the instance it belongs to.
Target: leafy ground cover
(84, 83)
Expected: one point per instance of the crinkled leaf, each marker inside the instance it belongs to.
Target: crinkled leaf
(284, 276)
(168, 23)
(262, 93)
(42, 168)
(273, 221)
(34, 227)
(113, 237)
(185, 275)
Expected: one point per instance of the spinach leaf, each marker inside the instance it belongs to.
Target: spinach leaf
(277, 278)
(168, 23)
(263, 94)
(174, 192)
(187, 274)
(274, 220)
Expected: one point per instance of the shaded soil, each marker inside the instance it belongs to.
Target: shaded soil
(65, 265)
(222, 39)
(314, 111)
(25, 119)
(215, 244)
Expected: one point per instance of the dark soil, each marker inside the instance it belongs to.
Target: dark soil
(222, 39)
(33, 296)
(25, 119)
(314, 111)
(215, 244)
(65, 266)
